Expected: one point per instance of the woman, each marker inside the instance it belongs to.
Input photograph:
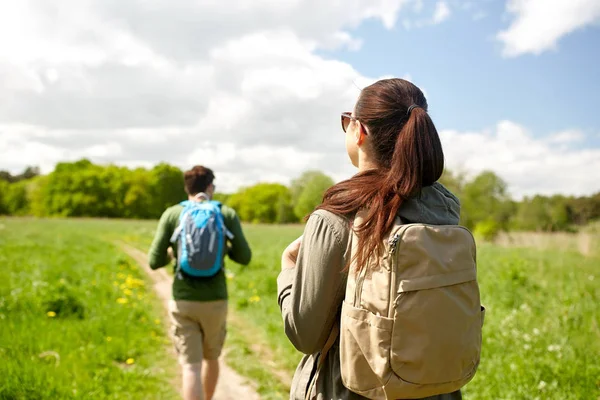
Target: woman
(392, 141)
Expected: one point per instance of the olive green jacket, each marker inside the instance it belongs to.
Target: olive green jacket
(310, 295)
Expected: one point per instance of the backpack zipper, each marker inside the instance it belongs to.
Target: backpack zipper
(393, 242)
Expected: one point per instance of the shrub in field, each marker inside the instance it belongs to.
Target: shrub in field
(488, 229)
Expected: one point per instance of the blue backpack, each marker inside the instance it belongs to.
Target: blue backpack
(201, 239)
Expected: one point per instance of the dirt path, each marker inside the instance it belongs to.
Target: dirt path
(231, 386)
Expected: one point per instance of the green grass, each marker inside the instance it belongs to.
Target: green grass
(541, 336)
(63, 330)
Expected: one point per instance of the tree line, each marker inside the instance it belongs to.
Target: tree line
(83, 189)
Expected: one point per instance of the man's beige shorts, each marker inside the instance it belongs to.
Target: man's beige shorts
(198, 329)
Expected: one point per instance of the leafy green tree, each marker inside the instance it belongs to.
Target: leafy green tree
(485, 198)
(285, 210)
(166, 187)
(453, 182)
(532, 215)
(261, 202)
(3, 194)
(36, 196)
(584, 209)
(542, 213)
(307, 191)
(16, 202)
(28, 173)
(137, 199)
(79, 189)
(222, 198)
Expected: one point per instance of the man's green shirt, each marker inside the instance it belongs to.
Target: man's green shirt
(197, 289)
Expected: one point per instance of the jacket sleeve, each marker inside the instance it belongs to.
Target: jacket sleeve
(310, 295)
(240, 249)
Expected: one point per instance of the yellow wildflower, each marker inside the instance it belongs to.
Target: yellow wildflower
(254, 299)
(121, 275)
(157, 321)
(130, 361)
(122, 300)
(108, 338)
(51, 314)
(133, 283)
(127, 292)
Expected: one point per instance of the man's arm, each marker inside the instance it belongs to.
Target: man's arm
(157, 255)
(240, 250)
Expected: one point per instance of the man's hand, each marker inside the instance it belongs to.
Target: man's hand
(170, 253)
(290, 254)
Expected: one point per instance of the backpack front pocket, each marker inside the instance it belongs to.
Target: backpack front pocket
(437, 334)
(364, 348)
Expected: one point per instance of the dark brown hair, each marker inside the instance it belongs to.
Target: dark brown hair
(409, 155)
(198, 179)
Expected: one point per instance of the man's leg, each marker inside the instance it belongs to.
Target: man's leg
(188, 337)
(214, 323)
(192, 382)
(210, 377)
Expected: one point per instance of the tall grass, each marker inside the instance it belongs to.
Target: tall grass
(77, 319)
(586, 242)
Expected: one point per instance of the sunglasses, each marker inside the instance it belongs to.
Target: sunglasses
(346, 118)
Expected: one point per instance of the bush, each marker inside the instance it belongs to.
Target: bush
(488, 229)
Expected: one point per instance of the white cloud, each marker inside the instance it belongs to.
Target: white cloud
(539, 24)
(239, 87)
(530, 165)
(442, 12)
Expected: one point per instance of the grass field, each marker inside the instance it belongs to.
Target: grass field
(77, 319)
(541, 337)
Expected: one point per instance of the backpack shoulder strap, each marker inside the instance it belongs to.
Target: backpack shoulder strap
(187, 205)
(335, 331)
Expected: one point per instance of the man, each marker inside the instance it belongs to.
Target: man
(198, 309)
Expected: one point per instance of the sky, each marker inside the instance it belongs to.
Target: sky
(254, 88)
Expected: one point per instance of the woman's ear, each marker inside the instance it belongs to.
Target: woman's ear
(360, 134)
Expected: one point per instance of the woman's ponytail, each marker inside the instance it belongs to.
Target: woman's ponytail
(409, 151)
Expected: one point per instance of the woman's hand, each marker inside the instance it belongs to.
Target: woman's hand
(290, 254)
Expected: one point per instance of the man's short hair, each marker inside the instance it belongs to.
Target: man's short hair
(198, 179)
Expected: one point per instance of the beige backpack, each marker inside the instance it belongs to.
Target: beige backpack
(411, 321)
